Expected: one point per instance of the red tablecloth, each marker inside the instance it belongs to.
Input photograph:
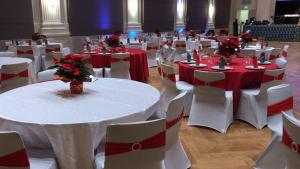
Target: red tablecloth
(138, 63)
(236, 79)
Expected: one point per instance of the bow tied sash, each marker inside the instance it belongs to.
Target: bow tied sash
(269, 78)
(277, 108)
(171, 76)
(48, 50)
(206, 46)
(24, 52)
(114, 60)
(272, 57)
(217, 84)
(284, 53)
(159, 70)
(180, 45)
(156, 141)
(289, 142)
(6, 76)
(15, 159)
(173, 122)
(152, 47)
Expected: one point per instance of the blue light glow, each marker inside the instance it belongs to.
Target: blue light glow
(132, 35)
(180, 30)
(104, 15)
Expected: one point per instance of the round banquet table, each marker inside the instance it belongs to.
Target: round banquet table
(236, 79)
(46, 115)
(138, 63)
(15, 60)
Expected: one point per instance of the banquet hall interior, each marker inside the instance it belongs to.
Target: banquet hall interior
(150, 84)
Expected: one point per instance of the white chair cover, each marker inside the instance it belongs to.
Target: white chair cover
(279, 99)
(119, 66)
(282, 62)
(176, 157)
(12, 145)
(47, 59)
(212, 106)
(14, 76)
(253, 105)
(152, 49)
(137, 154)
(180, 48)
(291, 141)
(28, 52)
(48, 74)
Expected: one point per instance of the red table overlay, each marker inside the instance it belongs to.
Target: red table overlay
(138, 63)
(236, 79)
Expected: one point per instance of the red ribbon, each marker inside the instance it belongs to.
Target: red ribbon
(156, 141)
(269, 78)
(19, 52)
(255, 62)
(169, 76)
(284, 105)
(206, 46)
(48, 50)
(15, 159)
(286, 139)
(173, 122)
(152, 48)
(180, 46)
(159, 70)
(272, 57)
(5, 76)
(284, 53)
(218, 84)
(114, 60)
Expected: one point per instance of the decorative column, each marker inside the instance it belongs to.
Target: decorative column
(134, 16)
(265, 9)
(211, 14)
(180, 14)
(50, 17)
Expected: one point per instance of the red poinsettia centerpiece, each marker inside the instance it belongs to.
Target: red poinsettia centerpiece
(113, 41)
(228, 48)
(38, 36)
(246, 37)
(74, 69)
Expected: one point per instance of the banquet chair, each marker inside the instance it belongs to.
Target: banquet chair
(212, 105)
(48, 74)
(275, 53)
(209, 51)
(27, 52)
(281, 62)
(14, 155)
(152, 50)
(47, 59)
(139, 145)
(253, 102)
(291, 141)
(120, 64)
(279, 99)
(176, 157)
(205, 44)
(180, 51)
(171, 87)
(14, 76)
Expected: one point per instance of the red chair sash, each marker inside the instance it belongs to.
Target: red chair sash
(277, 108)
(173, 122)
(171, 77)
(272, 57)
(48, 50)
(20, 52)
(206, 46)
(284, 53)
(16, 159)
(180, 45)
(114, 60)
(287, 140)
(269, 78)
(152, 48)
(6, 76)
(159, 70)
(218, 84)
(156, 141)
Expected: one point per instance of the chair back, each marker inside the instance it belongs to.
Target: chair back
(52, 53)
(14, 76)
(209, 51)
(180, 46)
(280, 99)
(275, 53)
(135, 145)
(271, 78)
(285, 50)
(168, 76)
(152, 46)
(209, 84)
(120, 65)
(291, 141)
(205, 43)
(159, 70)
(174, 116)
(12, 152)
(247, 53)
(25, 52)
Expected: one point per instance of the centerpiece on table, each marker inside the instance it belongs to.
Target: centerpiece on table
(246, 39)
(113, 41)
(38, 38)
(74, 69)
(227, 49)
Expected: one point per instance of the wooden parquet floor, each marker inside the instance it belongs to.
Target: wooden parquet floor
(242, 144)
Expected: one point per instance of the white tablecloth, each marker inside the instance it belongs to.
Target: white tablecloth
(7, 54)
(15, 60)
(259, 51)
(46, 114)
